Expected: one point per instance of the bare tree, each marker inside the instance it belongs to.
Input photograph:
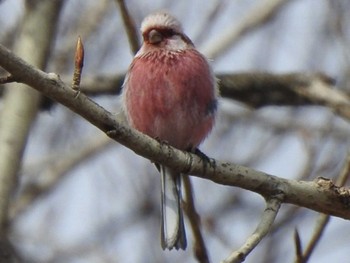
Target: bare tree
(69, 193)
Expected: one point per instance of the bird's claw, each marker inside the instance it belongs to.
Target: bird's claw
(206, 160)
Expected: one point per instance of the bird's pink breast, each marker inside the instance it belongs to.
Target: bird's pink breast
(169, 96)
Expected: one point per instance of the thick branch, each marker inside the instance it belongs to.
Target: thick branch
(21, 103)
(260, 89)
(256, 89)
(321, 195)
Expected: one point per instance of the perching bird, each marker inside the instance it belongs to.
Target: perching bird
(170, 94)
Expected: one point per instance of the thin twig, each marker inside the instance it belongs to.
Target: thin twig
(298, 247)
(260, 14)
(129, 26)
(199, 247)
(268, 217)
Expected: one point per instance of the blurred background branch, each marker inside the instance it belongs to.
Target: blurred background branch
(20, 103)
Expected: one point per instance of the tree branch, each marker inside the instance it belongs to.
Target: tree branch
(254, 19)
(129, 26)
(21, 103)
(199, 247)
(320, 195)
(261, 89)
(257, 89)
(268, 217)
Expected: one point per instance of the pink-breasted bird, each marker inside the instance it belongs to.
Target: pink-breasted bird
(170, 94)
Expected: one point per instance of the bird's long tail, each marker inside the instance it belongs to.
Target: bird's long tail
(172, 228)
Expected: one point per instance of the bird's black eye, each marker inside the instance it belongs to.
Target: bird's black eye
(167, 32)
(157, 35)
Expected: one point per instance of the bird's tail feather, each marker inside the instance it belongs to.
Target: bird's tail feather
(172, 228)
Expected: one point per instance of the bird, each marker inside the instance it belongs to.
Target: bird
(170, 94)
